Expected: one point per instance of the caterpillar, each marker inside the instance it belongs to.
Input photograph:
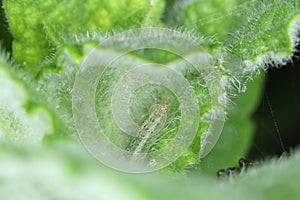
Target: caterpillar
(148, 128)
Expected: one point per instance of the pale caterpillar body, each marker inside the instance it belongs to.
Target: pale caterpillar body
(148, 128)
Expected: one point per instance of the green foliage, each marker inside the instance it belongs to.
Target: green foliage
(249, 29)
(43, 31)
(40, 27)
(50, 40)
(21, 122)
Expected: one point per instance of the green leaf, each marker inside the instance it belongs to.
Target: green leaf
(60, 99)
(267, 30)
(21, 122)
(248, 37)
(39, 27)
(211, 17)
(250, 29)
(252, 35)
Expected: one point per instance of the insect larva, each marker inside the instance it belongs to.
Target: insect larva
(244, 165)
(148, 128)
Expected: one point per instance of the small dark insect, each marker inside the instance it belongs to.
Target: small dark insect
(244, 164)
